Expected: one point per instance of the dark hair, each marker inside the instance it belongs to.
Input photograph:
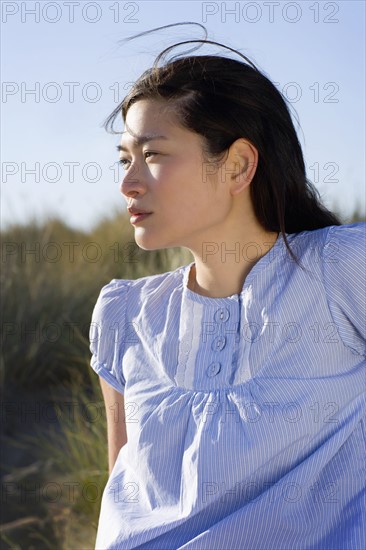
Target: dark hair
(223, 99)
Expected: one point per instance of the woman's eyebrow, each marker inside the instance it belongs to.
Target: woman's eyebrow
(140, 140)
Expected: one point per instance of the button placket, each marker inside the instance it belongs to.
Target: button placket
(221, 316)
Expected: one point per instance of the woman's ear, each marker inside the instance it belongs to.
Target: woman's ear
(241, 165)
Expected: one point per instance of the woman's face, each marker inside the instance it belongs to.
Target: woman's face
(167, 177)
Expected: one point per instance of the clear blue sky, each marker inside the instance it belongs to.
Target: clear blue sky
(314, 50)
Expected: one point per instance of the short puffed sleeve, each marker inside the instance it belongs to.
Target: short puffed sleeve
(344, 271)
(106, 334)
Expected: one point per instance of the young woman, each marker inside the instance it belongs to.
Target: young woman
(242, 375)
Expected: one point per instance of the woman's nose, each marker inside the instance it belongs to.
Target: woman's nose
(131, 184)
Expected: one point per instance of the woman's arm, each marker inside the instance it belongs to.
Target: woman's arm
(116, 424)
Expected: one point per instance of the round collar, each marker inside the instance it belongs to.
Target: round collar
(258, 268)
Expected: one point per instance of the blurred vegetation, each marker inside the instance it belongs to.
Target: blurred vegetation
(356, 216)
(51, 278)
(54, 429)
(54, 501)
(54, 456)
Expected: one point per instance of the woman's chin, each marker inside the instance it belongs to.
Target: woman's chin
(146, 243)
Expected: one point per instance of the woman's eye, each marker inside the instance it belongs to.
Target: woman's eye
(124, 162)
(148, 154)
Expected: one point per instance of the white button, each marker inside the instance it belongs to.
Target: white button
(222, 315)
(219, 343)
(213, 369)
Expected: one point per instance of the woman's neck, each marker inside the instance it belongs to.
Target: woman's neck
(221, 267)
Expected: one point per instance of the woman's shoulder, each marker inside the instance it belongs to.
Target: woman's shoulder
(343, 266)
(343, 254)
(342, 232)
(122, 300)
(352, 234)
(333, 244)
(140, 288)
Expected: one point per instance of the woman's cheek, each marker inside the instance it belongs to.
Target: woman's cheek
(158, 172)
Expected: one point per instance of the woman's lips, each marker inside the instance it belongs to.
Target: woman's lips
(139, 216)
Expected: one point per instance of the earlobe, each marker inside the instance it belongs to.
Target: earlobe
(244, 158)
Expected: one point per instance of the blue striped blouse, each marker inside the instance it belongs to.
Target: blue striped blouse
(245, 415)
